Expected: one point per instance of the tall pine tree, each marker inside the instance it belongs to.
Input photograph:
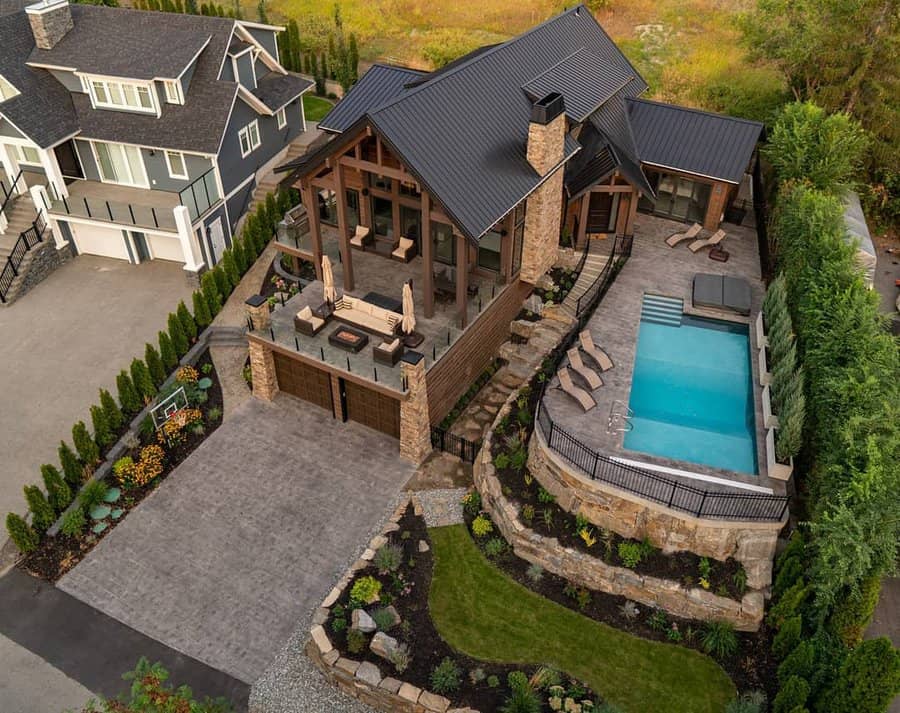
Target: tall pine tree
(42, 514)
(86, 446)
(72, 469)
(143, 382)
(102, 432)
(188, 325)
(154, 363)
(201, 310)
(129, 399)
(177, 335)
(58, 492)
(112, 411)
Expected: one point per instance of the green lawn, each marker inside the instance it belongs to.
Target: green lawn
(480, 611)
(315, 107)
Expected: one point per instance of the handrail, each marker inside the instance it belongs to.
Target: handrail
(26, 240)
(208, 198)
(447, 442)
(588, 297)
(8, 194)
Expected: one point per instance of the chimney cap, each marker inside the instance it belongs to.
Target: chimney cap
(45, 6)
(545, 110)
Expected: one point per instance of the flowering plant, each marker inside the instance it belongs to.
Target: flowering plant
(133, 474)
(187, 375)
(173, 430)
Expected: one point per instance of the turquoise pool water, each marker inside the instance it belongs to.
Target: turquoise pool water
(691, 391)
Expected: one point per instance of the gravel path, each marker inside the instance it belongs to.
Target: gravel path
(442, 507)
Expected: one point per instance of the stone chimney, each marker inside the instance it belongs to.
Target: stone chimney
(50, 21)
(543, 210)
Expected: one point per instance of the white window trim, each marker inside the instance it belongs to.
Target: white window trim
(97, 104)
(144, 183)
(245, 134)
(19, 154)
(172, 172)
(176, 96)
(281, 117)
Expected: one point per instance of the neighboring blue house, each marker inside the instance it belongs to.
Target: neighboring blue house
(141, 135)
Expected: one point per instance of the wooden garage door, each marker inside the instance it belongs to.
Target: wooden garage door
(303, 380)
(373, 409)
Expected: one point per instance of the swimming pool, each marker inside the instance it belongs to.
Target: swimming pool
(691, 391)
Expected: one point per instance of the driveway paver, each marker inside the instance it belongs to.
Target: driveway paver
(64, 340)
(247, 535)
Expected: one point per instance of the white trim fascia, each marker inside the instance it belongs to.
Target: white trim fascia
(235, 55)
(42, 65)
(259, 25)
(693, 476)
(268, 59)
(70, 218)
(225, 54)
(240, 186)
(144, 146)
(186, 176)
(253, 55)
(690, 173)
(254, 102)
(227, 123)
(193, 59)
(13, 124)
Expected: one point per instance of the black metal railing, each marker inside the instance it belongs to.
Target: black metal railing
(201, 195)
(701, 503)
(26, 241)
(447, 442)
(9, 192)
(588, 300)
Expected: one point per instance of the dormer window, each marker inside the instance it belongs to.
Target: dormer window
(173, 91)
(7, 90)
(130, 96)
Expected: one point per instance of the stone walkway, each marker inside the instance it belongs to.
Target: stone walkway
(479, 414)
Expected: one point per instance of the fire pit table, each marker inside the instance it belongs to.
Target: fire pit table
(348, 339)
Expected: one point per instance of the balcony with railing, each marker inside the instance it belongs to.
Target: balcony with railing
(201, 195)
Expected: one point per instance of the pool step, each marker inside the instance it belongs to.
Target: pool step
(662, 310)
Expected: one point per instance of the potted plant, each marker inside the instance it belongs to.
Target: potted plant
(784, 442)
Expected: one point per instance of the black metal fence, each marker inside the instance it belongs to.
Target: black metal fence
(587, 301)
(455, 445)
(673, 494)
(26, 241)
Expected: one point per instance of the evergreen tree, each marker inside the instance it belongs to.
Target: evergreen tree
(333, 57)
(128, 395)
(42, 515)
(154, 364)
(223, 286)
(272, 212)
(238, 12)
(230, 268)
(204, 9)
(211, 293)
(190, 6)
(296, 50)
(353, 60)
(167, 351)
(201, 310)
(240, 255)
(102, 432)
(324, 68)
(86, 446)
(21, 533)
(178, 6)
(177, 335)
(251, 237)
(112, 411)
(188, 325)
(72, 469)
(142, 380)
(261, 12)
(58, 492)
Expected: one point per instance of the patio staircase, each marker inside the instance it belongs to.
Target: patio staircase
(19, 214)
(662, 310)
(593, 266)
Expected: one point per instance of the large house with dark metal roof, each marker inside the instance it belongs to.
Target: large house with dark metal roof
(467, 181)
(139, 135)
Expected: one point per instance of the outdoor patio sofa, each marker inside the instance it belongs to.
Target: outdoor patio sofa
(366, 316)
(307, 323)
(388, 352)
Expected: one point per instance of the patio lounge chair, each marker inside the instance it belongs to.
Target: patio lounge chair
(362, 237)
(388, 352)
(585, 372)
(711, 241)
(576, 392)
(594, 352)
(405, 250)
(688, 234)
(307, 323)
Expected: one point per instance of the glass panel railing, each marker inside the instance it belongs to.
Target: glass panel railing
(201, 195)
(142, 216)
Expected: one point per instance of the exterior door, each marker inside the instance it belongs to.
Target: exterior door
(140, 246)
(68, 161)
(599, 212)
(303, 381)
(217, 237)
(373, 409)
(383, 216)
(121, 164)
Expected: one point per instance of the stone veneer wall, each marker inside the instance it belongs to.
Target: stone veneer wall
(594, 573)
(363, 680)
(39, 262)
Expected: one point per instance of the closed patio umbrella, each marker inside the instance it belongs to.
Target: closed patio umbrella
(409, 319)
(328, 280)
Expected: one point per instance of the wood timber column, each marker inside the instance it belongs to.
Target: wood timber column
(462, 280)
(340, 198)
(427, 257)
(415, 423)
(312, 215)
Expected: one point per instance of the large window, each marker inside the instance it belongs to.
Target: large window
(119, 163)
(122, 95)
(176, 165)
(442, 235)
(328, 207)
(173, 91)
(383, 216)
(26, 154)
(249, 138)
(281, 118)
(677, 197)
(489, 251)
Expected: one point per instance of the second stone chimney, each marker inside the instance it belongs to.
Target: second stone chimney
(50, 21)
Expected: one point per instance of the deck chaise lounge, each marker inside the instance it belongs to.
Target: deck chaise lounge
(710, 242)
(688, 234)
(591, 378)
(576, 392)
(594, 352)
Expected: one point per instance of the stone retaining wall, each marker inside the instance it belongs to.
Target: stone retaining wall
(594, 573)
(364, 680)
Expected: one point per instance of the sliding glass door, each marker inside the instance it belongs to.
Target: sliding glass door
(677, 197)
(122, 164)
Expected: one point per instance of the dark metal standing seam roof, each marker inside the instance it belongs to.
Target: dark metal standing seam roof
(693, 141)
(379, 84)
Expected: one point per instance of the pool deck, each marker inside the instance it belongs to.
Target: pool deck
(655, 268)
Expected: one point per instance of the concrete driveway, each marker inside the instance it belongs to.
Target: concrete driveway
(64, 340)
(247, 535)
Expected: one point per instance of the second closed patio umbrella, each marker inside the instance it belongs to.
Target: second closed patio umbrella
(328, 280)
(408, 324)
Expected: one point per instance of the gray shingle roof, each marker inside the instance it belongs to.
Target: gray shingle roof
(380, 84)
(275, 90)
(42, 109)
(694, 141)
(130, 43)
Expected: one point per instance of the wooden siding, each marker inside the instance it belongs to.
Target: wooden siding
(470, 355)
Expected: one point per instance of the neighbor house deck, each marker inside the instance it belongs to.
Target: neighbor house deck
(655, 268)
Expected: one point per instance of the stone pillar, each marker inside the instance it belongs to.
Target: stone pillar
(257, 310)
(415, 423)
(543, 209)
(50, 21)
(193, 261)
(262, 367)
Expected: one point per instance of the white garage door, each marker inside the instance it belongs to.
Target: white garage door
(163, 247)
(94, 240)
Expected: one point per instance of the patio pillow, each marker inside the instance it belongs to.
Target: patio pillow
(305, 313)
(391, 346)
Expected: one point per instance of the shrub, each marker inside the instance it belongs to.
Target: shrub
(545, 496)
(799, 662)
(446, 677)
(229, 267)
(84, 444)
(400, 658)
(789, 605)
(21, 533)
(752, 702)
(356, 641)
(111, 410)
(851, 618)
(42, 513)
(92, 494)
(493, 681)
(788, 637)
(535, 572)
(73, 523)
(201, 310)
(59, 494)
(177, 335)
(790, 572)
(167, 351)
(211, 294)
(658, 621)
(388, 558)
(789, 434)
(528, 513)
(472, 502)
(149, 466)
(72, 469)
(522, 700)
(719, 639)
(154, 364)
(631, 554)
(240, 255)
(482, 526)
(128, 395)
(223, 284)
(365, 591)
(868, 679)
(188, 325)
(142, 380)
(495, 547)
(384, 619)
(793, 694)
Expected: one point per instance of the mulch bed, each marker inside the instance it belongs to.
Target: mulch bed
(417, 630)
(753, 667)
(268, 288)
(562, 277)
(57, 555)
